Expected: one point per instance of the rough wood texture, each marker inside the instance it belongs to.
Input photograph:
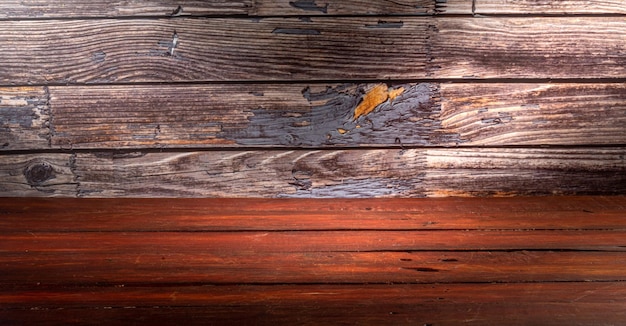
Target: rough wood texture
(24, 118)
(546, 47)
(15, 9)
(535, 114)
(319, 173)
(323, 115)
(550, 7)
(322, 48)
(509, 265)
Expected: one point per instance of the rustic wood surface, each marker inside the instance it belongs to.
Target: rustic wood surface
(318, 173)
(550, 7)
(479, 261)
(17, 9)
(318, 48)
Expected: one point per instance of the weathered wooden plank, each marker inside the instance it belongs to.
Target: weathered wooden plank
(14, 9)
(246, 115)
(550, 7)
(535, 114)
(567, 47)
(324, 115)
(353, 173)
(434, 304)
(310, 257)
(24, 118)
(322, 48)
(522, 171)
(33, 175)
(227, 214)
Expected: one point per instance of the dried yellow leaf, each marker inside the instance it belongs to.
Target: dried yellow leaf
(371, 100)
(341, 131)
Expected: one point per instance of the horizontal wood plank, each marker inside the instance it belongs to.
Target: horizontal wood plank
(24, 118)
(436, 304)
(535, 114)
(353, 173)
(228, 214)
(319, 48)
(550, 7)
(14, 9)
(306, 115)
(304, 257)
(318, 173)
(544, 47)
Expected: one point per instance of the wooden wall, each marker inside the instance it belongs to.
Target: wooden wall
(324, 98)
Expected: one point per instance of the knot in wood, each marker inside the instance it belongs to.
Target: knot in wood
(38, 173)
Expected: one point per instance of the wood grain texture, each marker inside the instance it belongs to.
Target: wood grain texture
(353, 173)
(290, 49)
(394, 304)
(14, 9)
(250, 214)
(24, 118)
(30, 258)
(272, 115)
(535, 114)
(35, 175)
(550, 7)
(547, 47)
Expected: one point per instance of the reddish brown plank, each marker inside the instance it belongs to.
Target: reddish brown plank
(311, 257)
(227, 214)
(438, 304)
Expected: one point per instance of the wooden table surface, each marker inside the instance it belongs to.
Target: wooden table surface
(448, 261)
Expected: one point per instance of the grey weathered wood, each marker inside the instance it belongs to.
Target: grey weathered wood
(24, 118)
(43, 175)
(311, 115)
(325, 48)
(353, 173)
(550, 7)
(323, 115)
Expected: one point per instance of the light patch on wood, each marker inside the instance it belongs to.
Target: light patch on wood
(371, 100)
(395, 93)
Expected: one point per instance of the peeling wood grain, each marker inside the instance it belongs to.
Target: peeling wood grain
(535, 114)
(550, 7)
(352, 173)
(245, 115)
(323, 115)
(15, 9)
(37, 175)
(24, 118)
(250, 214)
(83, 51)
